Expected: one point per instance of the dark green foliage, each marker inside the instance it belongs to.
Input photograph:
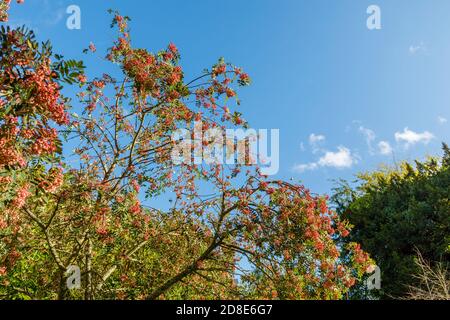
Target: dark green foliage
(396, 211)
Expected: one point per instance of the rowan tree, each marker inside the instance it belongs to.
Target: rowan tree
(230, 232)
(4, 7)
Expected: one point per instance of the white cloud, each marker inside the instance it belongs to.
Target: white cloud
(442, 120)
(341, 159)
(302, 146)
(370, 137)
(315, 140)
(385, 148)
(305, 167)
(410, 137)
(413, 49)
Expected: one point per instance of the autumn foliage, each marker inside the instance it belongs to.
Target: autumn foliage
(229, 231)
(4, 7)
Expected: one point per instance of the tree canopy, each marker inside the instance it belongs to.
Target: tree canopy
(246, 236)
(396, 211)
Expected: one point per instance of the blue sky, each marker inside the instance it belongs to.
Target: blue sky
(341, 94)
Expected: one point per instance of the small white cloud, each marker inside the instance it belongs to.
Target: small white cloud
(410, 137)
(368, 133)
(341, 159)
(305, 167)
(315, 140)
(385, 148)
(413, 49)
(370, 137)
(302, 146)
(442, 120)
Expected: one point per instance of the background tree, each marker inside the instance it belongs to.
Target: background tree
(396, 211)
